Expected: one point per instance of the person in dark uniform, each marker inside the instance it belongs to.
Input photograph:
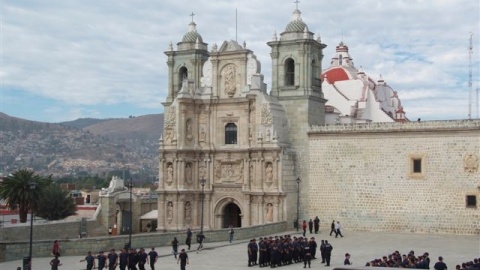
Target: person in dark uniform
(307, 255)
(328, 252)
(132, 259)
(262, 250)
(123, 259)
(142, 259)
(200, 239)
(440, 265)
(175, 247)
(322, 250)
(55, 263)
(183, 259)
(332, 228)
(153, 255)
(102, 260)
(310, 226)
(90, 261)
(252, 249)
(188, 241)
(112, 259)
(313, 247)
(347, 259)
(316, 224)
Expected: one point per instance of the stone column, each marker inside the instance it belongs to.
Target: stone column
(278, 174)
(275, 210)
(161, 213)
(246, 221)
(207, 220)
(261, 211)
(181, 174)
(181, 212)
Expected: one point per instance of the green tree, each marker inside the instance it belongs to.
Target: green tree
(15, 190)
(55, 204)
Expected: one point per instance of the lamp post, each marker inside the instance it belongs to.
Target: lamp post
(32, 186)
(130, 185)
(202, 182)
(298, 202)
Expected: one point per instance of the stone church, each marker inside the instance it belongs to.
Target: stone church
(234, 154)
(221, 125)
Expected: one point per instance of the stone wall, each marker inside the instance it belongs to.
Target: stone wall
(76, 247)
(362, 175)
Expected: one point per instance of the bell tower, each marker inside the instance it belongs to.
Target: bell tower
(186, 62)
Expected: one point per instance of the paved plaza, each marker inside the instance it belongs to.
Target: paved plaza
(363, 246)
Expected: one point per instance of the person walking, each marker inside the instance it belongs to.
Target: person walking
(304, 227)
(440, 265)
(153, 255)
(142, 259)
(231, 232)
(90, 261)
(182, 259)
(328, 253)
(175, 247)
(332, 228)
(123, 259)
(55, 263)
(338, 229)
(102, 260)
(56, 248)
(200, 239)
(188, 241)
(310, 226)
(112, 259)
(316, 224)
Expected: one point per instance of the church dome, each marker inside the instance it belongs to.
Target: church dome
(192, 35)
(336, 74)
(296, 24)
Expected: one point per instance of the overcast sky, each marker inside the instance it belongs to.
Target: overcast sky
(62, 60)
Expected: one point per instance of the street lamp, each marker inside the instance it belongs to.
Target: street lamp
(202, 182)
(130, 186)
(31, 186)
(298, 201)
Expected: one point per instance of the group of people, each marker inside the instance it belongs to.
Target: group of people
(130, 259)
(312, 224)
(283, 250)
(409, 260)
(471, 265)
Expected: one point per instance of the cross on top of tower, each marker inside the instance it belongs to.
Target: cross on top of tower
(193, 14)
(296, 4)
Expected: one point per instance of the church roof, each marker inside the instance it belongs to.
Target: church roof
(192, 35)
(336, 74)
(296, 24)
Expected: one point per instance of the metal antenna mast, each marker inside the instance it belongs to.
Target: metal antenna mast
(470, 89)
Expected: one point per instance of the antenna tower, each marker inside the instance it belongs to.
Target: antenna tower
(470, 89)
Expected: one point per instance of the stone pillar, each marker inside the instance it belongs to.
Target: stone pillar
(278, 174)
(246, 220)
(261, 211)
(275, 210)
(180, 218)
(207, 220)
(181, 174)
(161, 213)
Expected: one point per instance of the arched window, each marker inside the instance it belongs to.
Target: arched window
(182, 74)
(289, 72)
(231, 133)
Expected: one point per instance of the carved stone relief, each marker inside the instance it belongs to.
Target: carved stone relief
(170, 118)
(202, 136)
(269, 212)
(471, 163)
(228, 172)
(188, 174)
(267, 118)
(188, 211)
(230, 80)
(169, 212)
(188, 130)
(169, 176)
(168, 136)
(269, 174)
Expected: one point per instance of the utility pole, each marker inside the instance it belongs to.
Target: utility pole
(470, 89)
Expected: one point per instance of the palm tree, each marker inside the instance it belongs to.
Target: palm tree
(55, 204)
(15, 190)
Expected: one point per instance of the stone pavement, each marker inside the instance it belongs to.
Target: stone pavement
(363, 246)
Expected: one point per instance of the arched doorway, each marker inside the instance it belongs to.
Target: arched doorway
(232, 215)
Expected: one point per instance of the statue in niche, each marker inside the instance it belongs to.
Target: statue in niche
(188, 173)
(169, 179)
(169, 211)
(201, 171)
(269, 212)
(203, 134)
(189, 130)
(269, 173)
(188, 211)
(268, 135)
(230, 83)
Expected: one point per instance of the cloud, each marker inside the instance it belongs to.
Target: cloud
(88, 56)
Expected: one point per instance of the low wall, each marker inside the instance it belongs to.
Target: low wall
(10, 251)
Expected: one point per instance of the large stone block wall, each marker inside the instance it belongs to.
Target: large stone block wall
(75, 247)
(361, 176)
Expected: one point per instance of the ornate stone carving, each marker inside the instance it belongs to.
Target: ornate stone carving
(170, 118)
(269, 174)
(269, 212)
(267, 118)
(169, 178)
(188, 173)
(229, 172)
(188, 129)
(169, 212)
(188, 211)
(471, 163)
(201, 171)
(202, 137)
(168, 136)
(230, 80)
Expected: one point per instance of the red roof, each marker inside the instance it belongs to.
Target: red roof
(335, 74)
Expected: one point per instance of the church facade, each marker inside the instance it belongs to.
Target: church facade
(234, 154)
